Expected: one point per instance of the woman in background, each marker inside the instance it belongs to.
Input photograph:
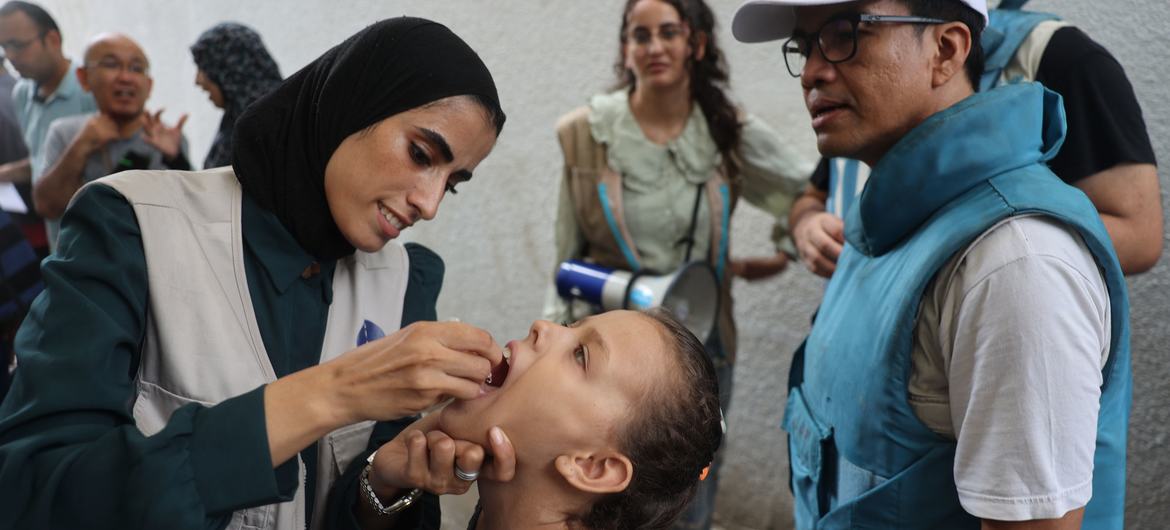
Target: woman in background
(235, 69)
(653, 170)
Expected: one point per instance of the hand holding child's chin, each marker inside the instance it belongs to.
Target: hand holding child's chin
(424, 457)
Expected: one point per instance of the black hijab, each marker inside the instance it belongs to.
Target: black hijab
(233, 57)
(284, 140)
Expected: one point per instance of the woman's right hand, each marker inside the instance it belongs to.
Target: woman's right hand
(393, 377)
(413, 369)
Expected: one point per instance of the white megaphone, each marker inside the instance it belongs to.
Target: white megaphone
(691, 293)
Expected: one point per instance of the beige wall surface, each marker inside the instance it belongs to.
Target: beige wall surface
(549, 56)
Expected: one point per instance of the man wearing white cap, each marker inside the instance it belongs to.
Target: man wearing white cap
(1106, 153)
(970, 362)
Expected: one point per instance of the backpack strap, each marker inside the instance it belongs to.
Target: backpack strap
(587, 160)
(609, 191)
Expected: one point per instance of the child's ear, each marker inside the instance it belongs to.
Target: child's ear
(608, 472)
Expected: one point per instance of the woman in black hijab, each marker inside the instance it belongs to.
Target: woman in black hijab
(235, 69)
(191, 362)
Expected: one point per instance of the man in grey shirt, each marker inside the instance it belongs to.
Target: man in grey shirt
(120, 136)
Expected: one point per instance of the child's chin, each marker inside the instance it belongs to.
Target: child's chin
(461, 424)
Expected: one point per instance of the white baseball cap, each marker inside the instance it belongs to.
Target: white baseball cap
(766, 20)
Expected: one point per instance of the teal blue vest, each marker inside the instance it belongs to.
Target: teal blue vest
(860, 458)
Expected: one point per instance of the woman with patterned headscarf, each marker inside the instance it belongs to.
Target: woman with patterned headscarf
(235, 69)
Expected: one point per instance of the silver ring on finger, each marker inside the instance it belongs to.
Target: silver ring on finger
(463, 475)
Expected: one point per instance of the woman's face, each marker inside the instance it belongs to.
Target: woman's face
(384, 179)
(209, 86)
(568, 390)
(657, 47)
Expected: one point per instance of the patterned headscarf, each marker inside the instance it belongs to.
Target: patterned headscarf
(233, 57)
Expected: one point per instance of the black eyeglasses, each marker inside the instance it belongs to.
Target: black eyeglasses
(17, 46)
(114, 66)
(666, 33)
(837, 38)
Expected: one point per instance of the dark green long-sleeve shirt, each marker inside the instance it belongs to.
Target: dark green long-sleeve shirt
(70, 455)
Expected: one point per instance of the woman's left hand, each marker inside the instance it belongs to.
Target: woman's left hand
(425, 458)
(752, 269)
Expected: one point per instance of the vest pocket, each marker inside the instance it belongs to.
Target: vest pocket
(853, 481)
(348, 442)
(154, 406)
(257, 518)
(808, 444)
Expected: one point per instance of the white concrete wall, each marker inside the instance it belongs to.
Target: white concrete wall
(548, 57)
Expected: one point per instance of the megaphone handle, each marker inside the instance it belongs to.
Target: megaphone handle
(630, 286)
(690, 238)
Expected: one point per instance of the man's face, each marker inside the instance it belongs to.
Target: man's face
(117, 73)
(27, 48)
(861, 107)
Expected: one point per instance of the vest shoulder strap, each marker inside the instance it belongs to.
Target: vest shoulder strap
(1006, 32)
(1025, 64)
(577, 143)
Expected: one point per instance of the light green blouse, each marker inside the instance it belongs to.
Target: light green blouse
(659, 183)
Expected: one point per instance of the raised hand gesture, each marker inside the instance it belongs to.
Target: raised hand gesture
(168, 140)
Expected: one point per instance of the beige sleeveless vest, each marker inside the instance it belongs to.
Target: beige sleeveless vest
(202, 343)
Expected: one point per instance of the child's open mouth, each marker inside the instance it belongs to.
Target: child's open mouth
(499, 372)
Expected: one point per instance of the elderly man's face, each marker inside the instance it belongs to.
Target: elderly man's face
(118, 74)
(861, 107)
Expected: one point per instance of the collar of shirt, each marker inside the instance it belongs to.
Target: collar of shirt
(642, 163)
(281, 257)
(69, 87)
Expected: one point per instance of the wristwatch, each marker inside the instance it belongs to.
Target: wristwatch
(401, 503)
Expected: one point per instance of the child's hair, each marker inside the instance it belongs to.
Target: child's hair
(670, 438)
